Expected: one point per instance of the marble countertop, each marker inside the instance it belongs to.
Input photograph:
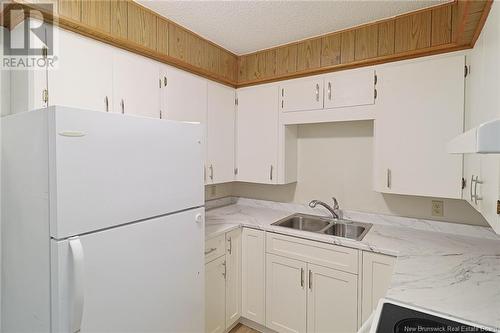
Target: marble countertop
(456, 272)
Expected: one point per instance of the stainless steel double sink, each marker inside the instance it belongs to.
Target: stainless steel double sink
(325, 225)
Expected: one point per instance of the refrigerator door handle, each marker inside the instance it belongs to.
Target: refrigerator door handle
(76, 249)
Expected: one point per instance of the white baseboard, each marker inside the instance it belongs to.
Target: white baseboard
(256, 326)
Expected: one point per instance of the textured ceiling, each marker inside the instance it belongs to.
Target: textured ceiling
(247, 26)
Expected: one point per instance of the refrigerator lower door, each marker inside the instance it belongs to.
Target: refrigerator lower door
(142, 277)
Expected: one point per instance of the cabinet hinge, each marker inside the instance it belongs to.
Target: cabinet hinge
(235, 171)
(466, 70)
(375, 79)
(45, 52)
(375, 93)
(498, 207)
(159, 81)
(45, 96)
(236, 101)
(464, 183)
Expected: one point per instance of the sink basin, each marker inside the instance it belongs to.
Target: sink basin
(326, 226)
(347, 230)
(304, 222)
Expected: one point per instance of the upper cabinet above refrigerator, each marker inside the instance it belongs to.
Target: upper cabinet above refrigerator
(350, 88)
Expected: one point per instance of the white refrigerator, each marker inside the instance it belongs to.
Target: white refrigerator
(102, 223)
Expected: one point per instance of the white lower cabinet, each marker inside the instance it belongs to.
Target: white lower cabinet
(223, 282)
(253, 283)
(286, 294)
(332, 300)
(377, 272)
(302, 296)
(215, 289)
(233, 277)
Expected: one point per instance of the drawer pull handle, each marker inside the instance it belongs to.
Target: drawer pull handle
(210, 251)
(302, 277)
(310, 280)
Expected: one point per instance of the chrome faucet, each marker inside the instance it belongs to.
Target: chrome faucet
(335, 211)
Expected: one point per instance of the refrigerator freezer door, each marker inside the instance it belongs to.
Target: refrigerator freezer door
(107, 169)
(141, 277)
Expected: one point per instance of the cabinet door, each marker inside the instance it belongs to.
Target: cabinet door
(233, 277)
(27, 86)
(286, 294)
(186, 96)
(253, 283)
(135, 85)
(220, 133)
(332, 300)
(350, 88)
(215, 291)
(301, 95)
(419, 110)
(257, 134)
(84, 74)
(377, 273)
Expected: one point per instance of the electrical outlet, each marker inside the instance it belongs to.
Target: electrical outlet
(437, 208)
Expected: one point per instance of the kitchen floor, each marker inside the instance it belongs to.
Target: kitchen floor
(240, 328)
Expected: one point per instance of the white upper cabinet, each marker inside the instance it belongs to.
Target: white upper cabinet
(420, 108)
(27, 87)
(135, 85)
(350, 88)
(185, 96)
(83, 77)
(301, 94)
(482, 103)
(220, 133)
(257, 134)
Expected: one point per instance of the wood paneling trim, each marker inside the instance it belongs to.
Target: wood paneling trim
(97, 14)
(286, 59)
(119, 18)
(331, 48)
(309, 54)
(348, 47)
(140, 30)
(162, 35)
(141, 26)
(71, 9)
(366, 45)
(441, 26)
(413, 32)
(385, 38)
(482, 21)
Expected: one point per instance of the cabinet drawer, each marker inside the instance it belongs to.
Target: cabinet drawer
(214, 248)
(333, 256)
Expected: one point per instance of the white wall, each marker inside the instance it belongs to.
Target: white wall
(336, 159)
